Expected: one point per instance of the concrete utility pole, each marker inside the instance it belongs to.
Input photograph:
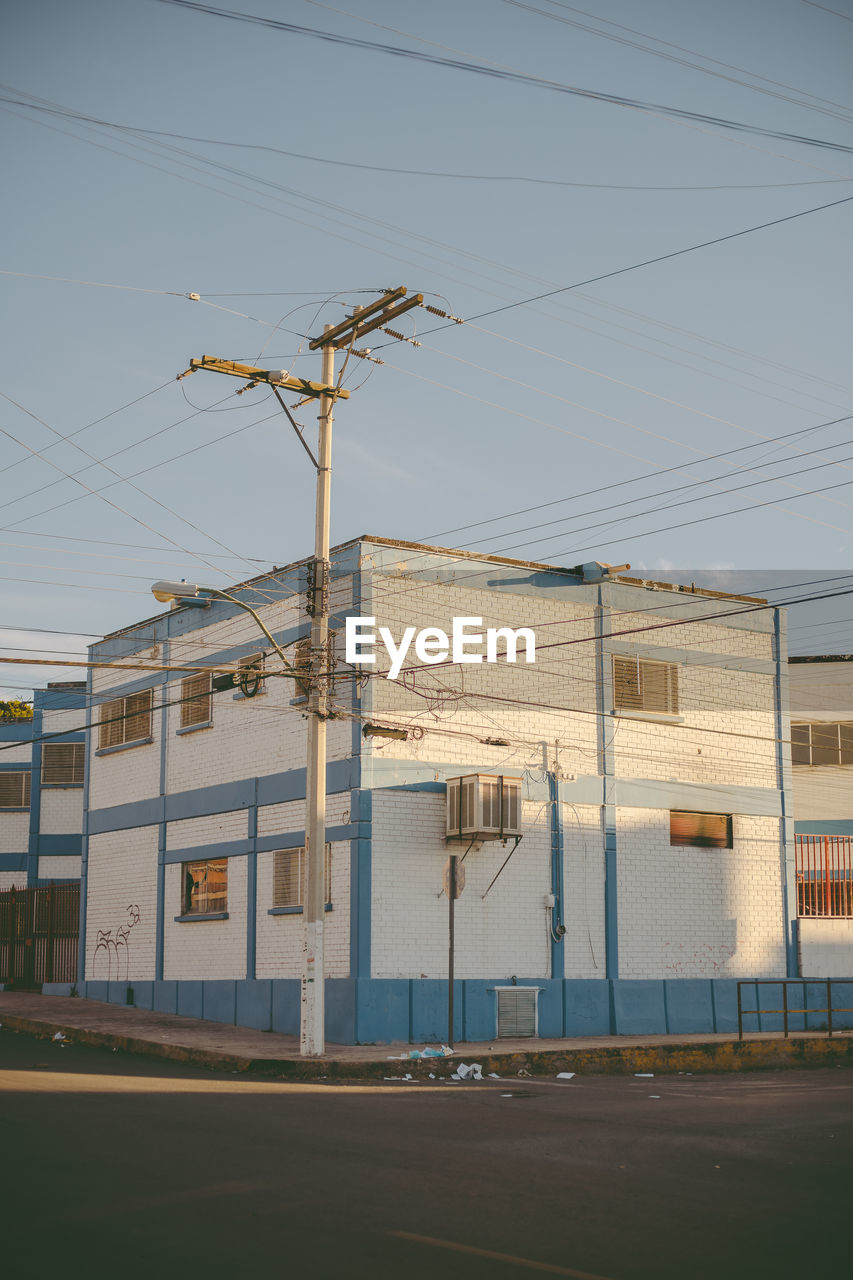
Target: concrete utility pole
(377, 315)
(313, 1020)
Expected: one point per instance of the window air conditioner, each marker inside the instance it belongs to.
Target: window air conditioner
(483, 806)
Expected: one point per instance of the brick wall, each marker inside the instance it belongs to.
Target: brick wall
(122, 874)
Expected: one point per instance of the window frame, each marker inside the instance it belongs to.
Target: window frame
(297, 907)
(116, 717)
(26, 777)
(700, 840)
(642, 701)
(207, 908)
(78, 763)
(810, 747)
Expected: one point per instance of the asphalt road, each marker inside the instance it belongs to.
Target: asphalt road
(119, 1166)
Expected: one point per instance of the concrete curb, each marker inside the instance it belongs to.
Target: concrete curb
(661, 1059)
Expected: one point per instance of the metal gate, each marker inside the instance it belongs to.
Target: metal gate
(39, 932)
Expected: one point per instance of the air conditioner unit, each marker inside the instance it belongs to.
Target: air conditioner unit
(483, 806)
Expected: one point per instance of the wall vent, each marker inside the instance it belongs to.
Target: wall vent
(517, 1011)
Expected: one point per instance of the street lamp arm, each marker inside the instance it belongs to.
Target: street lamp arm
(223, 595)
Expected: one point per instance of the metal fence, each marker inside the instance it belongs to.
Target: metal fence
(786, 1009)
(824, 876)
(39, 931)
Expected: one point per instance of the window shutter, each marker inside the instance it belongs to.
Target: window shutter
(287, 878)
(62, 763)
(14, 790)
(112, 724)
(640, 684)
(195, 701)
(137, 722)
(626, 684)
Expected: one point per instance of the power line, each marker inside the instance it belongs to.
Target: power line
(553, 86)
(636, 266)
(67, 113)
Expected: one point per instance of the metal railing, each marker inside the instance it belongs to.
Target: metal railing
(786, 1010)
(824, 876)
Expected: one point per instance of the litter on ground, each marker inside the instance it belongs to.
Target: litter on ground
(644, 1075)
(59, 1036)
(565, 1075)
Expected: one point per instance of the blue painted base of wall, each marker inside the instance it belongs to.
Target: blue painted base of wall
(414, 1011)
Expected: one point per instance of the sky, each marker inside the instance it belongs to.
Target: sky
(692, 411)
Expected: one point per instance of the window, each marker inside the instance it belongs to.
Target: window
(125, 720)
(288, 877)
(640, 684)
(250, 673)
(205, 889)
(817, 744)
(701, 830)
(196, 701)
(62, 764)
(15, 789)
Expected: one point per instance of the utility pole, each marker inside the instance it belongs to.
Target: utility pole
(313, 1017)
(377, 315)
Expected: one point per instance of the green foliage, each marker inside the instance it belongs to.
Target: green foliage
(15, 710)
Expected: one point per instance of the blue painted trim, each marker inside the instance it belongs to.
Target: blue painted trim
(207, 915)
(13, 862)
(252, 891)
(648, 793)
(296, 839)
(35, 793)
(21, 766)
(558, 957)
(361, 885)
(626, 598)
(833, 827)
(276, 788)
(61, 786)
(193, 728)
(59, 846)
(84, 844)
(204, 852)
(160, 922)
(19, 731)
(124, 746)
(785, 781)
(606, 767)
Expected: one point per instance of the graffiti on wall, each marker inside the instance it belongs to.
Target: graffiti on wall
(112, 949)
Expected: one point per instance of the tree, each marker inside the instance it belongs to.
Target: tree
(15, 710)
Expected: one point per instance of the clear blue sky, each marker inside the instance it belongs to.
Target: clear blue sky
(710, 351)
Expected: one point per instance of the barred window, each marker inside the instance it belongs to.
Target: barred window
(62, 764)
(205, 888)
(818, 744)
(125, 720)
(196, 701)
(701, 830)
(641, 684)
(289, 877)
(14, 789)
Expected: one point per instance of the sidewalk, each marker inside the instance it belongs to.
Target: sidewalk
(223, 1047)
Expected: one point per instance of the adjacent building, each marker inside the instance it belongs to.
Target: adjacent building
(624, 811)
(41, 789)
(822, 751)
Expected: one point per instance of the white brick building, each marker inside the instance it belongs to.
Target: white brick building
(655, 867)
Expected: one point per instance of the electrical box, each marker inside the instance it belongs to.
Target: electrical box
(483, 806)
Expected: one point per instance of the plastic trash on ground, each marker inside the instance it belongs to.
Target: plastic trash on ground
(59, 1036)
(565, 1075)
(472, 1071)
